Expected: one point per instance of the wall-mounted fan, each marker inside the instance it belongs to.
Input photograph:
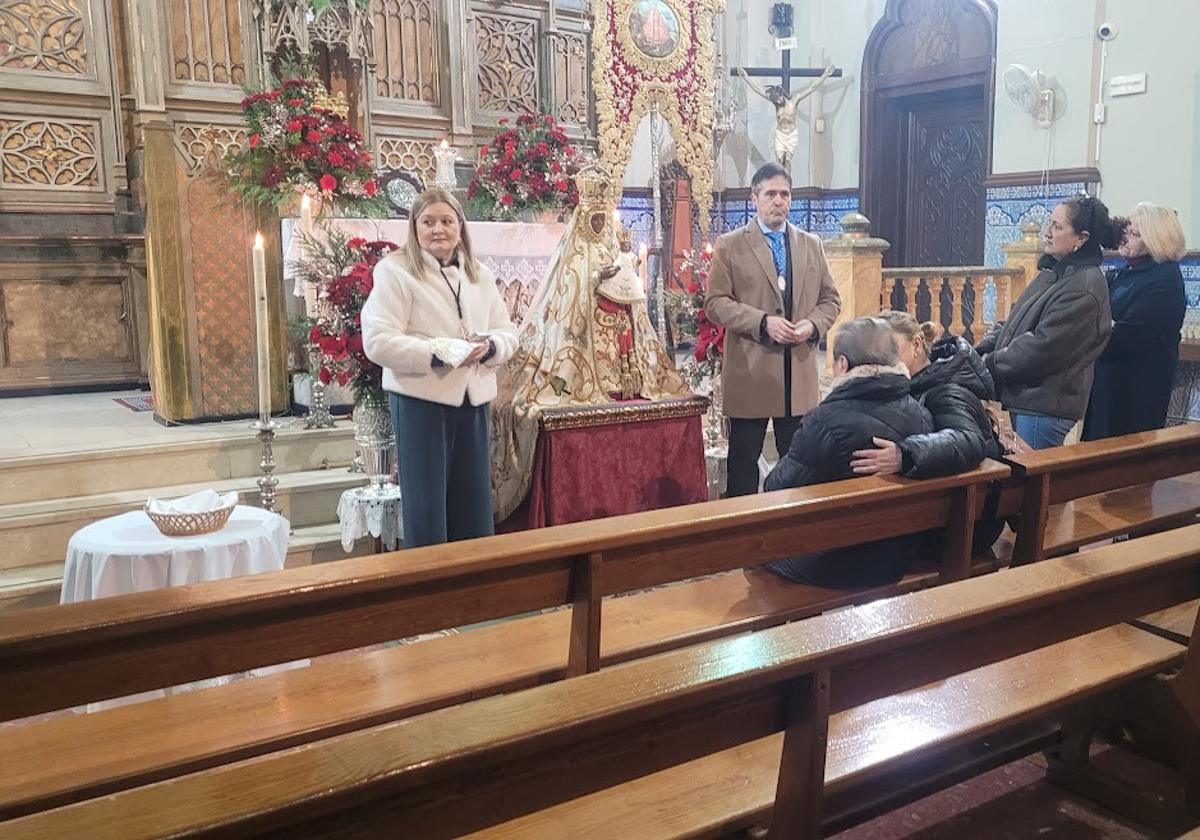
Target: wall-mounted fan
(1034, 92)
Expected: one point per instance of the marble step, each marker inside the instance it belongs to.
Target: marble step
(33, 533)
(141, 467)
(39, 585)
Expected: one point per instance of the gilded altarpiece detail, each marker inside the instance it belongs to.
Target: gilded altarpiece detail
(49, 154)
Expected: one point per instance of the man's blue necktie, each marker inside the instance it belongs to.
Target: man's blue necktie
(778, 250)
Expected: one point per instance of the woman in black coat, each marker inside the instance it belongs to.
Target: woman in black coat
(950, 381)
(1135, 372)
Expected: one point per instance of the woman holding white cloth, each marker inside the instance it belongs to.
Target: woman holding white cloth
(437, 325)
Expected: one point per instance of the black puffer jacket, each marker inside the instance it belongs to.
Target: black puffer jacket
(857, 410)
(951, 387)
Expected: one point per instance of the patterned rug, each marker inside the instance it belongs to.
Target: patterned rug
(136, 403)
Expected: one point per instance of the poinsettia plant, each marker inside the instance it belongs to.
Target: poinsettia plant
(528, 167)
(343, 268)
(692, 320)
(300, 143)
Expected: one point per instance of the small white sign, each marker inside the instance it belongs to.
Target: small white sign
(786, 43)
(1127, 85)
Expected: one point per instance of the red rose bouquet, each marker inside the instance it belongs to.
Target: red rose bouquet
(691, 320)
(343, 269)
(528, 168)
(300, 143)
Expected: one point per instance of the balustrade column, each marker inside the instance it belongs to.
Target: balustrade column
(935, 299)
(979, 286)
(856, 262)
(911, 285)
(1003, 297)
(957, 284)
(1023, 254)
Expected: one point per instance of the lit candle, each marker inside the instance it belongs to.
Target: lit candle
(260, 313)
(445, 157)
(306, 219)
(708, 249)
(617, 218)
(642, 257)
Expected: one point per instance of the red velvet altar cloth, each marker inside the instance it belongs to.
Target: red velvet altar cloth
(624, 458)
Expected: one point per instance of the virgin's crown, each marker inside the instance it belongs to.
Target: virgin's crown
(595, 186)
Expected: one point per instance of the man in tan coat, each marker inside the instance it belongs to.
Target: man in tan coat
(770, 287)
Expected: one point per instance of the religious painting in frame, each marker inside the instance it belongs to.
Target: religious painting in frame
(654, 28)
(657, 53)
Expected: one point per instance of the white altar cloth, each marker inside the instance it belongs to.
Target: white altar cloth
(517, 253)
(126, 553)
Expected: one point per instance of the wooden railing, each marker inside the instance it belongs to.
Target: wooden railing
(952, 296)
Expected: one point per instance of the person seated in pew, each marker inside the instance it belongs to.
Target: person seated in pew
(951, 381)
(870, 400)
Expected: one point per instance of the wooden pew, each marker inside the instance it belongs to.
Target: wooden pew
(477, 765)
(182, 733)
(1074, 495)
(57, 657)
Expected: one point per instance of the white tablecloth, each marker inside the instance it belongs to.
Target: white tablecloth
(126, 553)
(363, 511)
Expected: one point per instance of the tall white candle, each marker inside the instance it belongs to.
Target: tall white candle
(264, 341)
(306, 217)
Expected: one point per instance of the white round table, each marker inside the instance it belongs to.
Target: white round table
(126, 553)
(365, 511)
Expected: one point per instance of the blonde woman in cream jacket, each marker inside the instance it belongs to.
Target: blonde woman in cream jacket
(437, 325)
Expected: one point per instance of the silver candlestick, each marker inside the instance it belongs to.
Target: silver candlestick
(268, 482)
(318, 413)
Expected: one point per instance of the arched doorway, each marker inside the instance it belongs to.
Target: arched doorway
(928, 81)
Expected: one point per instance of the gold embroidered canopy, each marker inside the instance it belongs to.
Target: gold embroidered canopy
(657, 52)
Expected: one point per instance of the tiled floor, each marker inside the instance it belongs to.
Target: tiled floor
(83, 422)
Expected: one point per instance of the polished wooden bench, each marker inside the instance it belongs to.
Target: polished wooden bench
(432, 589)
(1075, 495)
(895, 689)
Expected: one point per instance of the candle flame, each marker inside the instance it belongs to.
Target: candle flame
(258, 240)
(642, 249)
(305, 202)
(617, 216)
(445, 143)
(708, 249)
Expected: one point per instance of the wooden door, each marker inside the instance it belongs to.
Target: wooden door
(943, 198)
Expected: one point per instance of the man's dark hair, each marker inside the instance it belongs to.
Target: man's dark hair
(866, 341)
(766, 172)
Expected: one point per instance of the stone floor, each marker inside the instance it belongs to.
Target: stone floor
(82, 422)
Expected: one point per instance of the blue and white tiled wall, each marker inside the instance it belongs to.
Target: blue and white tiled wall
(821, 216)
(1008, 207)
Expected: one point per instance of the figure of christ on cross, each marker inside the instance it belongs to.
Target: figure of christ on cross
(786, 131)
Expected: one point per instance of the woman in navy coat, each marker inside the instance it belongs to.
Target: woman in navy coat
(1135, 372)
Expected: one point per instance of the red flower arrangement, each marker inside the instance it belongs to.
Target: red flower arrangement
(301, 143)
(344, 270)
(526, 168)
(692, 321)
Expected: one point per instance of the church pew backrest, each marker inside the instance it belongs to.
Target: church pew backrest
(56, 657)
(1062, 474)
(460, 769)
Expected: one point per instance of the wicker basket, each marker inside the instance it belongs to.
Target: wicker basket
(190, 524)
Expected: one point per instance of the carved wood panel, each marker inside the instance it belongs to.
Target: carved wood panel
(409, 155)
(506, 64)
(45, 35)
(946, 171)
(39, 153)
(206, 42)
(407, 34)
(569, 52)
(204, 145)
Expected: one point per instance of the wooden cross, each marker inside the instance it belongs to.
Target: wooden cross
(786, 72)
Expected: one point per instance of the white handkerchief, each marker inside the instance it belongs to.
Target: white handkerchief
(452, 351)
(201, 502)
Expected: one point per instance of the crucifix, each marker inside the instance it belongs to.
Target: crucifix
(787, 133)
